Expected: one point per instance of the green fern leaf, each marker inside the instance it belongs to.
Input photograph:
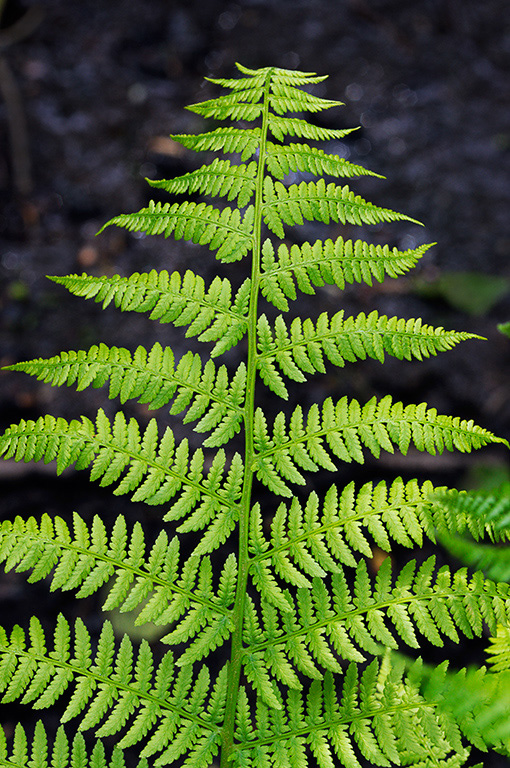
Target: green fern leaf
(287, 585)
(99, 686)
(210, 312)
(153, 378)
(219, 178)
(316, 201)
(377, 714)
(85, 560)
(473, 700)
(282, 160)
(309, 266)
(117, 453)
(228, 140)
(293, 126)
(347, 428)
(302, 348)
(222, 230)
(333, 621)
(499, 650)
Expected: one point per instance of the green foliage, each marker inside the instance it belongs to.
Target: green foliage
(280, 641)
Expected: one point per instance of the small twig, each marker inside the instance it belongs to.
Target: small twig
(18, 133)
(16, 121)
(21, 28)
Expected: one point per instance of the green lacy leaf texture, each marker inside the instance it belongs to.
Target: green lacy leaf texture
(375, 715)
(345, 429)
(62, 753)
(280, 604)
(152, 581)
(153, 378)
(151, 470)
(210, 313)
(116, 689)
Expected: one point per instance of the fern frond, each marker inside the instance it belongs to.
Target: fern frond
(84, 560)
(244, 141)
(488, 514)
(476, 700)
(499, 650)
(301, 349)
(491, 507)
(293, 126)
(282, 159)
(378, 717)
(115, 690)
(211, 312)
(318, 201)
(285, 98)
(153, 378)
(279, 75)
(224, 231)
(220, 178)
(346, 428)
(338, 262)
(38, 753)
(152, 471)
(315, 540)
(335, 622)
(241, 105)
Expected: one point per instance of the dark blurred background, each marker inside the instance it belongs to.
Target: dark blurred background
(89, 92)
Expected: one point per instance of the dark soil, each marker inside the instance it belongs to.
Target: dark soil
(102, 84)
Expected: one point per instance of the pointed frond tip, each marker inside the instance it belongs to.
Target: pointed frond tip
(152, 377)
(303, 347)
(222, 230)
(318, 201)
(118, 689)
(220, 178)
(211, 312)
(329, 262)
(151, 469)
(346, 429)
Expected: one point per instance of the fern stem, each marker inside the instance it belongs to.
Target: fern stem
(236, 656)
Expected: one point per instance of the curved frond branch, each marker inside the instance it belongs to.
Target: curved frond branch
(329, 262)
(284, 159)
(293, 126)
(40, 753)
(345, 429)
(240, 105)
(211, 312)
(220, 179)
(222, 230)
(318, 201)
(328, 624)
(377, 716)
(152, 378)
(151, 470)
(87, 558)
(116, 690)
(303, 347)
(245, 141)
